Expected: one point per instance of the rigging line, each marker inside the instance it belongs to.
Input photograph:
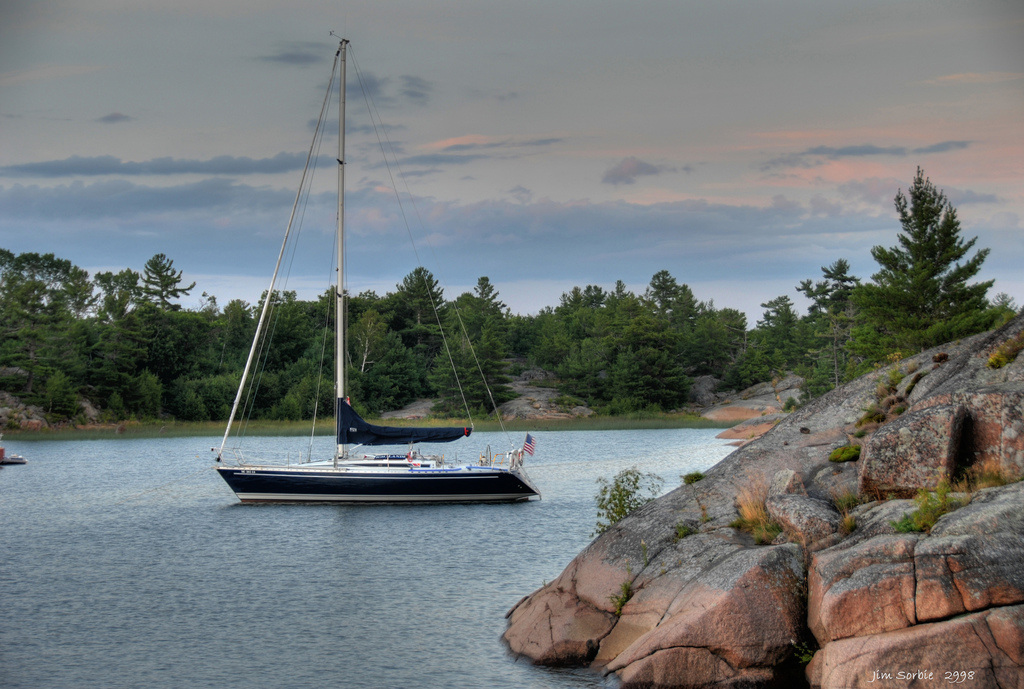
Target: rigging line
(323, 354)
(367, 99)
(305, 191)
(270, 290)
(454, 302)
(274, 312)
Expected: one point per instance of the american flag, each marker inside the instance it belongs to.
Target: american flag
(530, 445)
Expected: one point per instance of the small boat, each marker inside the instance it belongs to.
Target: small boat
(10, 458)
(345, 478)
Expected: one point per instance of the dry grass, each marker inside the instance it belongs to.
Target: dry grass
(848, 525)
(754, 519)
(987, 473)
(844, 502)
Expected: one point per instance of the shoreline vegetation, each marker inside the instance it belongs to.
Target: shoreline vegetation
(81, 351)
(184, 429)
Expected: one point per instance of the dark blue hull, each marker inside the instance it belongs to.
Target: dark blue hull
(326, 484)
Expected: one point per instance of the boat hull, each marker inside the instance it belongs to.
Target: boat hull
(290, 484)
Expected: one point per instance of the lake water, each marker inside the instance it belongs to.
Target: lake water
(130, 563)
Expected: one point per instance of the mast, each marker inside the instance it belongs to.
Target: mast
(339, 313)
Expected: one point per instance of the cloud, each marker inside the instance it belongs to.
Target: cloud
(473, 142)
(124, 200)
(879, 191)
(462, 150)
(811, 157)
(978, 78)
(964, 197)
(296, 55)
(941, 147)
(513, 239)
(628, 169)
(521, 194)
(109, 165)
(386, 92)
(442, 159)
(46, 73)
(114, 118)
(854, 151)
(416, 89)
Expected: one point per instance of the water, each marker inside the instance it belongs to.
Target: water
(129, 563)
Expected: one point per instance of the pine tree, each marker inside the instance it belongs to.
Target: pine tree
(922, 296)
(831, 317)
(160, 283)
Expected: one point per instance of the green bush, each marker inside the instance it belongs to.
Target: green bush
(630, 489)
(692, 477)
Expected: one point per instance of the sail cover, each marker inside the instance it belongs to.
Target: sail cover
(353, 430)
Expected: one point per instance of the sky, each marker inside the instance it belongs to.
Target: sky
(741, 146)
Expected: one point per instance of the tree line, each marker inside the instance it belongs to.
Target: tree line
(122, 342)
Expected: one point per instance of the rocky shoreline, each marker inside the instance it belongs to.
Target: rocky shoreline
(681, 594)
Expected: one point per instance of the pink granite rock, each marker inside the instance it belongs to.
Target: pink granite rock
(866, 589)
(804, 520)
(979, 650)
(553, 627)
(917, 450)
(746, 611)
(957, 574)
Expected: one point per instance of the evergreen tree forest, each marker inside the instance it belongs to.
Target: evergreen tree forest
(123, 342)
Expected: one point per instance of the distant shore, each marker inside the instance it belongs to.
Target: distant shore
(178, 429)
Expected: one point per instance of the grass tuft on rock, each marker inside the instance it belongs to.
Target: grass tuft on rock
(753, 514)
(682, 531)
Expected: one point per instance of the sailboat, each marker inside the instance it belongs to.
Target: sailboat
(345, 478)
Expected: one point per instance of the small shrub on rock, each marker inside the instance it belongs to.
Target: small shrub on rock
(630, 489)
(692, 477)
(930, 506)
(913, 382)
(872, 414)
(849, 524)
(620, 600)
(1007, 351)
